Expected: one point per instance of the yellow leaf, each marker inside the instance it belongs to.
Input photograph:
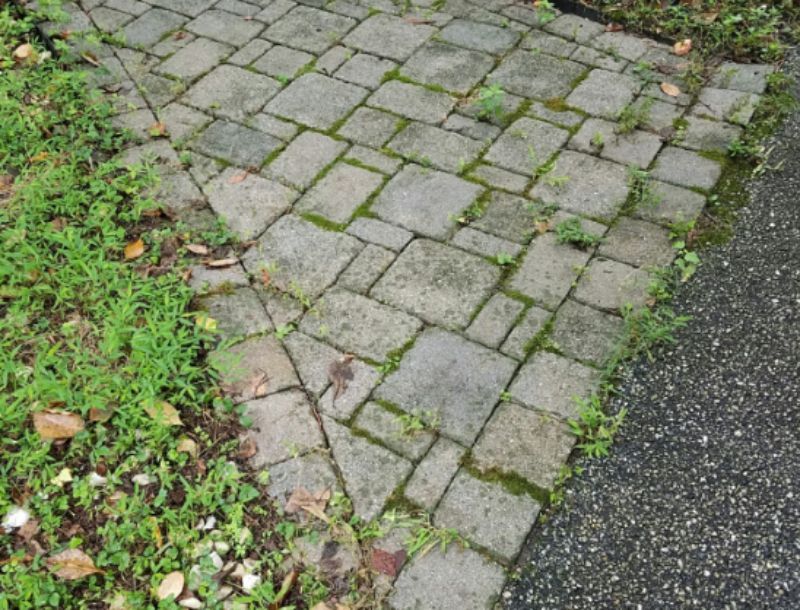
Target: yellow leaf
(24, 52)
(164, 413)
(52, 424)
(206, 322)
(670, 89)
(72, 564)
(682, 47)
(38, 157)
(187, 445)
(62, 478)
(134, 249)
(171, 585)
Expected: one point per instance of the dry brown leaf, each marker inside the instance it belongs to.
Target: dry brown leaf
(199, 249)
(134, 249)
(158, 130)
(247, 447)
(541, 226)
(670, 89)
(614, 27)
(237, 178)
(682, 47)
(54, 424)
(321, 606)
(72, 564)
(29, 529)
(171, 585)
(339, 373)
(313, 504)
(23, 52)
(258, 385)
(286, 587)
(187, 445)
(266, 278)
(38, 157)
(221, 262)
(164, 413)
(99, 415)
(90, 58)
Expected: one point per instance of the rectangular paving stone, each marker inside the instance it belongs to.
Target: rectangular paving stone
(484, 244)
(576, 28)
(597, 59)
(751, 78)
(235, 144)
(196, 58)
(604, 93)
(249, 52)
(248, 206)
(425, 201)
(466, 126)
(539, 41)
(500, 178)
(495, 320)
(638, 243)
(316, 100)
(705, 134)
(532, 445)
(340, 192)
(332, 59)
(275, 10)
(109, 20)
(554, 114)
(373, 159)
(380, 233)
(238, 313)
(283, 426)
(309, 29)
(282, 62)
(543, 77)
(204, 279)
(447, 66)
(448, 375)
(597, 136)
(412, 101)
(231, 92)
(658, 116)
(369, 127)
(313, 471)
(366, 268)
(594, 187)
(586, 334)
(359, 325)
(437, 147)
(385, 426)
(225, 27)
(686, 168)
(389, 36)
(479, 36)
(487, 514)
(304, 158)
(182, 121)
(370, 472)
(171, 44)
(624, 45)
(283, 130)
(342, 407)
(147, 29)
(187, 7)
(526, 145)
(674, 204)
(134, 7)
(440, 284)
(433, 474)
(724, 104)
(312, 359)
(520, 338)
(507, 216)
(301, 256)
(159, 91)
(611, 285)
(365, 70)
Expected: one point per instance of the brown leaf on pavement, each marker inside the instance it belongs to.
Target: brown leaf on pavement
(237, 178)
(72, 564)
(339, 373)
(682, 47)
(55, 424)
(314, 504)
(247, 447)
(158, 130)
(266, 278)
(614, 27)
(670, 89)
(221, 262)
(258, 385)
(28, 530)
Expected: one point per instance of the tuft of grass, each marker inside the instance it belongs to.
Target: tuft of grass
(570, 231)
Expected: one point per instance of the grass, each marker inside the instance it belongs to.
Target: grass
(571, 231)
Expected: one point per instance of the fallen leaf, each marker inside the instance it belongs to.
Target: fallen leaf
(62, 478)
(179, 35)
(24, 52)
(158, 130)
(682, 47)
(321, 606)
(171, 585)
(339, 373)
(164, 413)
(206, 322)
(247, 447)
(221, 262)
(134, 249)
(99, 415)
(187, 445)
(90, 58)
(28, 530)
(314, 504)
(542, 226)
(258, 385)
(72, 564)
(266, 278)
(197, 249)
(708, 18)
(237, 178)
(670, 89)
(385, 562)
(54, 424)
(614, 27)
(286, 587)
(38, 157)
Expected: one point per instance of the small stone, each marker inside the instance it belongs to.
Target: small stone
(516, 345)
(495, 320)
(587, 334)
(433, 475)
(387, 427)
(610, 285)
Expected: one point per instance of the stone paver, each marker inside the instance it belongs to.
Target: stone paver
(345, 144)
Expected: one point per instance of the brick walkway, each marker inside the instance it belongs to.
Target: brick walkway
(401, 223)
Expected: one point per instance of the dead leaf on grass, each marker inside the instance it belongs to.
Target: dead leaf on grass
(90, 58)
(313, 504)
(164, 413)
(29, 529)
(682, 47)
(542, 226)
(72, 564)
(339, 373)
(187, 445)
(55, 424)
(198, 249)
(171, 585)
(134, 250)
(670, 89)
(99, 415)
(24, 52)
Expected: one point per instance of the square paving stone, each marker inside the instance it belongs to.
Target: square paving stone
(389, 36)
(365, 70)
(434, 580)
(517, 440)
(301, 256)
(238, 313)
(248, 206)
(575, 28)
(552, 383)
(448, 375)
(686, 168)
(447, 66)
(312, 359)
(312, 471)
(597, 136)
(235, 144)
(340, 192)
(507, 216)
(211, 279)
(369, 127)
(610, 285)
(370, 472)
(282, 62)
(518, 341)
(442, 149)
(425, 201)
(360, 325)
(304, 158)
(342, 407)
(598, 59)
(225, 27)
(487, 514)
(548, 270)
(479, 36)
(751, 78)
(316, 100)
(586, 334)
(366, 268)
(187, 7)
(542, 77)
(412, 101)
(182, 121)
(705, 134)
(151, 27)
(387, 427)
(725, 104)
(604, 93)
(231, 92)
(196, 58)
(433, 475)
(250, 52)
(440, 284)
(593, 188)
(252, 363)
(638, 243)
(283, 426)
(309, 29)
(674, 204)
(380, 233)
(495, 320)
(526, 144)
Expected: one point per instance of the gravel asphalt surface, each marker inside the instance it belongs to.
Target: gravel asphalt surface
(699, 504)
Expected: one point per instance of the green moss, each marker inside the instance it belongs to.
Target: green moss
(556, 104)
(511, 481)
(323, 223)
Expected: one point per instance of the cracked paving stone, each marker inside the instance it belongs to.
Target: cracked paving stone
(532, 445)
(534, 322)
(312, 359)
(543, 77)
(387, 427)
(412, 101)
(433, 474)
(488, 515)
(444, 65)
(224, 27)
(586, 334)
(359, 325)
(723, 104)
(236, 144)
(525, 145)
(301, 257)
(380, 233)
(610, 285)
(238, 313)
(304, 158)
(231, 92)
(459, 380)
(365, 70)
(495, 320)
(604, 93)
(370, 472)
(312, 471)
(479, 36)
(389, 36)
(369, 127)
(686, 168)
(309, 29)
(437, 147)
(340, 192)
(440, 284)
(316, 100)
(248, 206)
(641, 244)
